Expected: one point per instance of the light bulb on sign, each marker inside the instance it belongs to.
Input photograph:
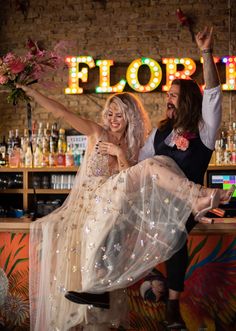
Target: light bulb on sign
(172, 72)
(155, 75)
(73, 64)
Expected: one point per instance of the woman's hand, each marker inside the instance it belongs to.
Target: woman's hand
(204, 39)
(108, 148)
(28, 90)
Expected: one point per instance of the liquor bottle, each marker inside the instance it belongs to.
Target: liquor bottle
(39, 138)
(24, 145)
(52, 158)
(233, 155)
(16, 140)
(46, 136)
(45, 151)
(3, 152)
(47, 130)
(28, 157)
(10, 142)
(69, 157)
(227, 155)
(25, 140)
(234, 132)
(230, 137)
(2, 161)
(14, 153)
(219, 154)
(16, 150)
(61, 148)
(38, 157)
(34, 135)
(54, 133)
(9, 145)
(213, 158)
(223, 136)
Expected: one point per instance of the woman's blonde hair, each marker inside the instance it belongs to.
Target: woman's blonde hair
(138, 123)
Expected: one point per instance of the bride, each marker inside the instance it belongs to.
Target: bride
(120, 219)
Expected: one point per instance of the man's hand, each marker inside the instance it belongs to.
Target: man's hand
(204, 39)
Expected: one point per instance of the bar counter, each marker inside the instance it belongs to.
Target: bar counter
(219, 226)
(211, 249)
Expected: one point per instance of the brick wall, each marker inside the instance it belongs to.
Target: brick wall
(122, 30)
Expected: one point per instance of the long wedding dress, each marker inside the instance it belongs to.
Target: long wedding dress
(112, 230)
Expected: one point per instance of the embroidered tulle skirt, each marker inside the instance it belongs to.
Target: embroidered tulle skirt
(108, 234)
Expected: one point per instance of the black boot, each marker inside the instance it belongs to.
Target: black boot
(174, 319)
(97, 300)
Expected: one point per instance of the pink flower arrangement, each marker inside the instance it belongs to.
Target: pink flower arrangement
(182, 140)
(25, 70)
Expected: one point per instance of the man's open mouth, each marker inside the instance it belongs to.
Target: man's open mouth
(170, 106)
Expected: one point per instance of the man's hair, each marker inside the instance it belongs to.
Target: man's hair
(189, 112)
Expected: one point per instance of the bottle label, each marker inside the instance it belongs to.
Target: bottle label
(233, 158)
(45, 161)
(61, 160)
(52, 160)
(37, 161)
(69, 160)
(28, 161)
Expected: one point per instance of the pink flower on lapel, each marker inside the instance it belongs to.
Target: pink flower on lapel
(181, 143)
(182, 140)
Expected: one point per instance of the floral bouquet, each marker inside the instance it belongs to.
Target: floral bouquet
(25, 70)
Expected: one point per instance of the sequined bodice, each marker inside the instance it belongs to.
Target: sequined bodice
(98, 164)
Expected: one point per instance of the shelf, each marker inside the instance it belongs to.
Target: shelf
(12, 190)
(220, 226)
(27, 178)
(48, 191)
(43, 169)
(6, 169)
(15, 224)
(52, 169)
(27, 200)
(222, 167)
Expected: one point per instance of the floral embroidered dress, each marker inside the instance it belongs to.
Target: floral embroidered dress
(111, 231)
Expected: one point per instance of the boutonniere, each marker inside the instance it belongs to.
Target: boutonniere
(181, 140)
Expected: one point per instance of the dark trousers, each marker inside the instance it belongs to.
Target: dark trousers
(176, 266)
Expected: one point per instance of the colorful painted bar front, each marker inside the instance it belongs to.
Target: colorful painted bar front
(212, 258)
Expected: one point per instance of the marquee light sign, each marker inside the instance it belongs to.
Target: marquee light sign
(77, 74)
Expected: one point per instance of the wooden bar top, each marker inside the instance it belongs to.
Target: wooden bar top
(15, 224)
(220, 226)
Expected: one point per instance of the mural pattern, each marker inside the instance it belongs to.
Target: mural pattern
(14, 301)
(208, 303)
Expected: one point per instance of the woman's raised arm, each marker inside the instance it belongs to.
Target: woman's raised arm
(84, 126)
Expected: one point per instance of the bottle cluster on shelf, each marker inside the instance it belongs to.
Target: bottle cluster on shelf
(45, 146)
(225, 148)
